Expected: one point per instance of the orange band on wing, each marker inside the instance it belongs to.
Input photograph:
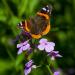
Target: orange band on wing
(36, 36)
(46, 30)
(26, 26)
(41, 14)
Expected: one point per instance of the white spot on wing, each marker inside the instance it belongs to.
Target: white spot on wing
(21, 23)
(44, 9)
(47, 10)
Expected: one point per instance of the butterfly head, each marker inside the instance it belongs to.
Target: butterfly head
(47, 9)
(21, 25)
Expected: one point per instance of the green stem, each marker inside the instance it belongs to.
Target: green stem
(49, 70)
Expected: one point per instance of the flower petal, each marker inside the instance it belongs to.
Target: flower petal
(27, 71)
(56, 52)
(19, 45)
(43, 40)
(27, 46)
(20, 50)
(34, 66)
(51, 43)
(41, 47)
(49, 48)
(58, 55)
(52, 58)
(25, 42)
(56, 73)
(28, 64)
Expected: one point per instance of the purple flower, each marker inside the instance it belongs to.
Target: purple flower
(45, 45)
(23, 46)
(54, 54)
(28, 67)
(56, 73)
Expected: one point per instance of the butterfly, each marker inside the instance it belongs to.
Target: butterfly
(38, 25)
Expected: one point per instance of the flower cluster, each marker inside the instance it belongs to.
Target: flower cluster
(43, 45)
(49, 48)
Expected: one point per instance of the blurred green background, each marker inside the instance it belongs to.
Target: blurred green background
(62, 32)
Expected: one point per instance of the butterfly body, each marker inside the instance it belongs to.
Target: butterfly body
(39, 24)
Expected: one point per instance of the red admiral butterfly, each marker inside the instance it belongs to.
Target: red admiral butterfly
(39, 24)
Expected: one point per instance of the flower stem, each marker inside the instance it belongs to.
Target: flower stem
(49, 70)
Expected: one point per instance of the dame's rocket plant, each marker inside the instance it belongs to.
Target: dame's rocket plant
(42, 45)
